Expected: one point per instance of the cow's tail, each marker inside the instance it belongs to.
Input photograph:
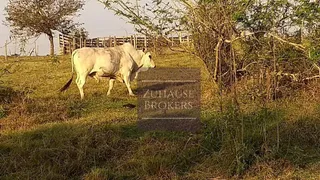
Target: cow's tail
(67, 85)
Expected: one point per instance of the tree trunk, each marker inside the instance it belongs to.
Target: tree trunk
(51, 44)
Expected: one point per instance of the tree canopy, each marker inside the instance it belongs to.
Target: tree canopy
(34, 17)
(156, 17)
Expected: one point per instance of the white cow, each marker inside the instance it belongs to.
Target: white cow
(121, 62)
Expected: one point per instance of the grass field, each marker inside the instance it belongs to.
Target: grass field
(45, 134)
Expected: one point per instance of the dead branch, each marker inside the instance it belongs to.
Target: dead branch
(316, 66)
(217, 49)
(311, 78)
(293, 76)
(298, 46)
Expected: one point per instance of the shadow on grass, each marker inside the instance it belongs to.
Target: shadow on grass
(7, 94)
(245, 140)
(230, 144)
(67, 151)
(23, 112)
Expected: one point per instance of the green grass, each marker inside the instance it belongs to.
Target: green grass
(45, 134)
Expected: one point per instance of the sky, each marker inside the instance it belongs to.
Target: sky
(97, 20)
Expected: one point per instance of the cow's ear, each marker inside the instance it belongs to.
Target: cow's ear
(144, 50)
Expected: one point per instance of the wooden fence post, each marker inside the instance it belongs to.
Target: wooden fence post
(61, 41)
(180, 38)
(73, 44)
(145, 41)
(6, 51)
(81, 41)
(70, 51)
(98, 42)
(115, 41)
(154, 44)
(110, 41)
(134, 41)
(64, 51)
(85, 42)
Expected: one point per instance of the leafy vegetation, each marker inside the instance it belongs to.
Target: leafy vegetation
(274, 42)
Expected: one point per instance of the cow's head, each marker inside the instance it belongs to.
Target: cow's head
(146, 61)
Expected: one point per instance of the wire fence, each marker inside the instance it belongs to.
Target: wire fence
(14, 47)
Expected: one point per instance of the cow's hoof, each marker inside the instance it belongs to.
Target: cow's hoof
(132, 95)
(129, 106)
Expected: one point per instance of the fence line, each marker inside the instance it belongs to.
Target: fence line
(7, 49)
(69, 43)
(5, 46)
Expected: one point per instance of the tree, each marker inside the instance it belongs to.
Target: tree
(275, 41)
(155, 18)
(235, 37)
(30, 18)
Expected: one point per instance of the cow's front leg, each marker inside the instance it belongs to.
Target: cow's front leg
(126, 79)
(111, 83)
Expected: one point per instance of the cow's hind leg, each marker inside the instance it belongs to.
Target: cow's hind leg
(126, 79)
(81, 80)
(111, 83)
